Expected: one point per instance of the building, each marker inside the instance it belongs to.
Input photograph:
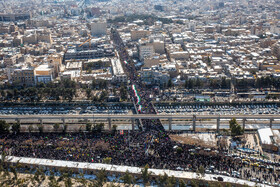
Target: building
(268, 139)
(89, 54)
(152, 76)
(14, 17)
(138, 34)
(146, 50)
(98, 28)
(23, 76)
(118, 73)
(44, 74)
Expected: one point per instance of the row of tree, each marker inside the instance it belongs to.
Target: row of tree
(65, 89)
(5, 127)
(212, 83)
(10, 176)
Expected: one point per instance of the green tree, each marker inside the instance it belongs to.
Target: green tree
(103, 95)
(182, 183)
(3, 93)
(16, 128)
(107, 160)
(93, 84)
(209, 61)
(171, 182)
(224, 84)
(127, 178)
(201, 171)
(169, 83)
(98, 127)
(162, 180)
(88, 92)
(235, 128)
(114, 129)
(179, 150)
(39, 176)
(30, 128)
(65, 128)
(40, 128)
(101, 178)
(194, 183)
(145, 174)
(88, 127)
(52, 180)
(56, 127)
(123, 92)
(189, 83)
(4, 127)
(198, 83)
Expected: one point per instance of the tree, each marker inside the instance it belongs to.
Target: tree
(93, 84)
(169, 83)
(114, 129)
(235, 128)
(201, 171)
(81, 179)
(189, 83)
(30, 128)
(194, 183)
(182, 183)
(16, 128)
(179, 150)
(198, 83)
(88, 127)
(123, 92)
(145, 174)
(88, 92)
(101, 178)
(107, 160)
(209, 61)
(65, 128)
(3, 93)
(171, 181)
(4, 127)
(40, 128)
(224, 84)
(56, 127)
(162, 180)
(52, 180)
(103, 95)
(39, 176)
(127, 178)
(98, 127)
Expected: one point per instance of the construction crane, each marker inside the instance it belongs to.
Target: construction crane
(88, 40)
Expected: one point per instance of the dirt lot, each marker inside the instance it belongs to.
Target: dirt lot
(201, 139)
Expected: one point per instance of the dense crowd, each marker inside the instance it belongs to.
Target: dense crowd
(134, 149)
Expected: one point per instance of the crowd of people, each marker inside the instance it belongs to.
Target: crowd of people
(151, 146)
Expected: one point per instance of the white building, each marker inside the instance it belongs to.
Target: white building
(146, 51)
(118, 73)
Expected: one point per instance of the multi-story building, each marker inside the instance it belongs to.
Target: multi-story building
(118, 73)
(24, 76)
(44, 73)
(138, 34)
(146, 50)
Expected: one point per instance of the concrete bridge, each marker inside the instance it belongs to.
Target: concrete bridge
(133, 117)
